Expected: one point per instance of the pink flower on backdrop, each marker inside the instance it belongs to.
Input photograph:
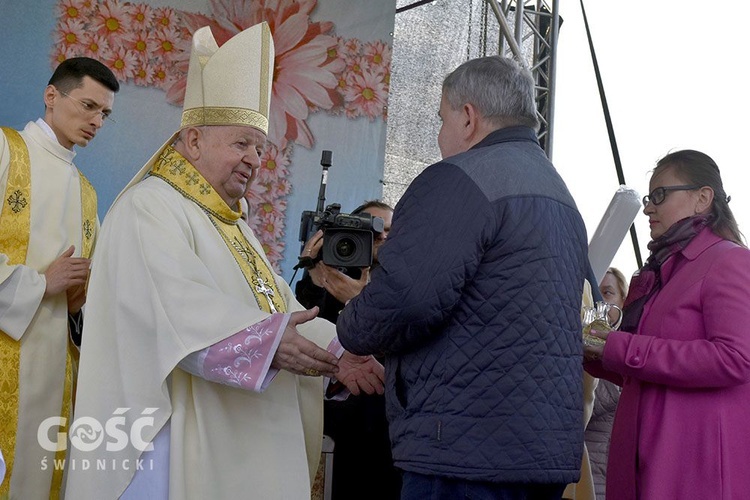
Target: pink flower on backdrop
(122, 62)
(96, 46)
(62, 52)
(342, 50)
(141, 44)
(145, 75)
(303, 75)
(281, 188)
(111, 19)
(275, 208)
(272, 227)
(366, 94)
(337, 62)
(254, 221)
(167, 41)
(273, 164)
(274, 250)
(356, 65)
(70, 32)
(264, 191)
(378, 55)
(75, 9)
(256, 194)
(141, 16)
(165, 17)
(352, 47)
(162, 78)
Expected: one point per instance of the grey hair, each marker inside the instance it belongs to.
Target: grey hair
(499, 88)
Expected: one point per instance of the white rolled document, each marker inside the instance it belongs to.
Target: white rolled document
(612, 228)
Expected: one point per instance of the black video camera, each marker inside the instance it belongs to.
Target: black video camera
(347, 238)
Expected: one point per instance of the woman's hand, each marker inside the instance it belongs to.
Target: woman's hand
(593, 351)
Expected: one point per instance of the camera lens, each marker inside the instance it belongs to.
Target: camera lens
(345, 247)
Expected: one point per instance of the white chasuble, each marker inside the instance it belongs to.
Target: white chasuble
(36, 371)
(167, 282)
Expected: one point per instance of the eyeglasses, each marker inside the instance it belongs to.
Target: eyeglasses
(89, 109)
(658, 195)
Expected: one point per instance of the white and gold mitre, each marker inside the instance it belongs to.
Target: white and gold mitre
(227, 85)
(231, 84)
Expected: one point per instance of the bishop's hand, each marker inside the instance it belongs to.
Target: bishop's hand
(300, 356)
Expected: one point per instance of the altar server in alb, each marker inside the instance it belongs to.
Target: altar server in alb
(48, 225)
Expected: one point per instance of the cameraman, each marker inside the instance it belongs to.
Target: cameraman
(329, 288)
(363, 467)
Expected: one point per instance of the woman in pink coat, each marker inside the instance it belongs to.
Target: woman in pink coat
(682, 356)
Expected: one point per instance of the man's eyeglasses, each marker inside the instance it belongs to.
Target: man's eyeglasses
(658, 195)
(89, 109)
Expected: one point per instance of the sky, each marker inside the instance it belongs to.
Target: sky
(673, 75)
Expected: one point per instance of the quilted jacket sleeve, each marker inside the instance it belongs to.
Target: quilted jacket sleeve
(440, 229)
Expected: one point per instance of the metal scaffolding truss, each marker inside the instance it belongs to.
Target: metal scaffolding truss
(433, 37)
(529, 31)
(530, 37)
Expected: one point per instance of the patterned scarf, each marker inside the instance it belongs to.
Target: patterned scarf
(647, 281)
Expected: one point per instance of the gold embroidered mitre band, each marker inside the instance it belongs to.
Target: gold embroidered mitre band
(231, 84)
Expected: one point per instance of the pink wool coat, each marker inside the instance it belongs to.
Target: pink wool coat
(682, 427)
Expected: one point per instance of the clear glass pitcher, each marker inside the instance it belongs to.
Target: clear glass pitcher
(597, 318)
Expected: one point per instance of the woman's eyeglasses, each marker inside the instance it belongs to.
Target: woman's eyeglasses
(658, 195)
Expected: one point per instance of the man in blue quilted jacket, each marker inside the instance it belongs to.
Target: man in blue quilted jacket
(476, 304)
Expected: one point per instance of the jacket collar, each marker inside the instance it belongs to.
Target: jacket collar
(702, 241)
(508, 134)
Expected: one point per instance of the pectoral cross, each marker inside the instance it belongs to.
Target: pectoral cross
(262, 288)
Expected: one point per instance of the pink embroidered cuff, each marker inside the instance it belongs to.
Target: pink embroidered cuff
(244, 359)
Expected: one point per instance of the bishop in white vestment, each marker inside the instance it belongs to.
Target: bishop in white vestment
(189, 386)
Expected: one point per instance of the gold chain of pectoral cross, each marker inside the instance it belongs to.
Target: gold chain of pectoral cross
(260, 284)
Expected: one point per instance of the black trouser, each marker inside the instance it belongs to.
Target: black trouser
(422, 487)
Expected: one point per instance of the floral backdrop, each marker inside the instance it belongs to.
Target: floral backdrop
(315, 71)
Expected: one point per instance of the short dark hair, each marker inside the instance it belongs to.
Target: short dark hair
(69, 74)
(372, 204)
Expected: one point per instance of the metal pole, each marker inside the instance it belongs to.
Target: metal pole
(519, 22)
(505, 28)
(551, 80)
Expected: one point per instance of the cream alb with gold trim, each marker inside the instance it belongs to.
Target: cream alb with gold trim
(177, 271)
(47, 205)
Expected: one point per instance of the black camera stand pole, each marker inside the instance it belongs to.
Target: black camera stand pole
(325, 162)
(309, 221)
